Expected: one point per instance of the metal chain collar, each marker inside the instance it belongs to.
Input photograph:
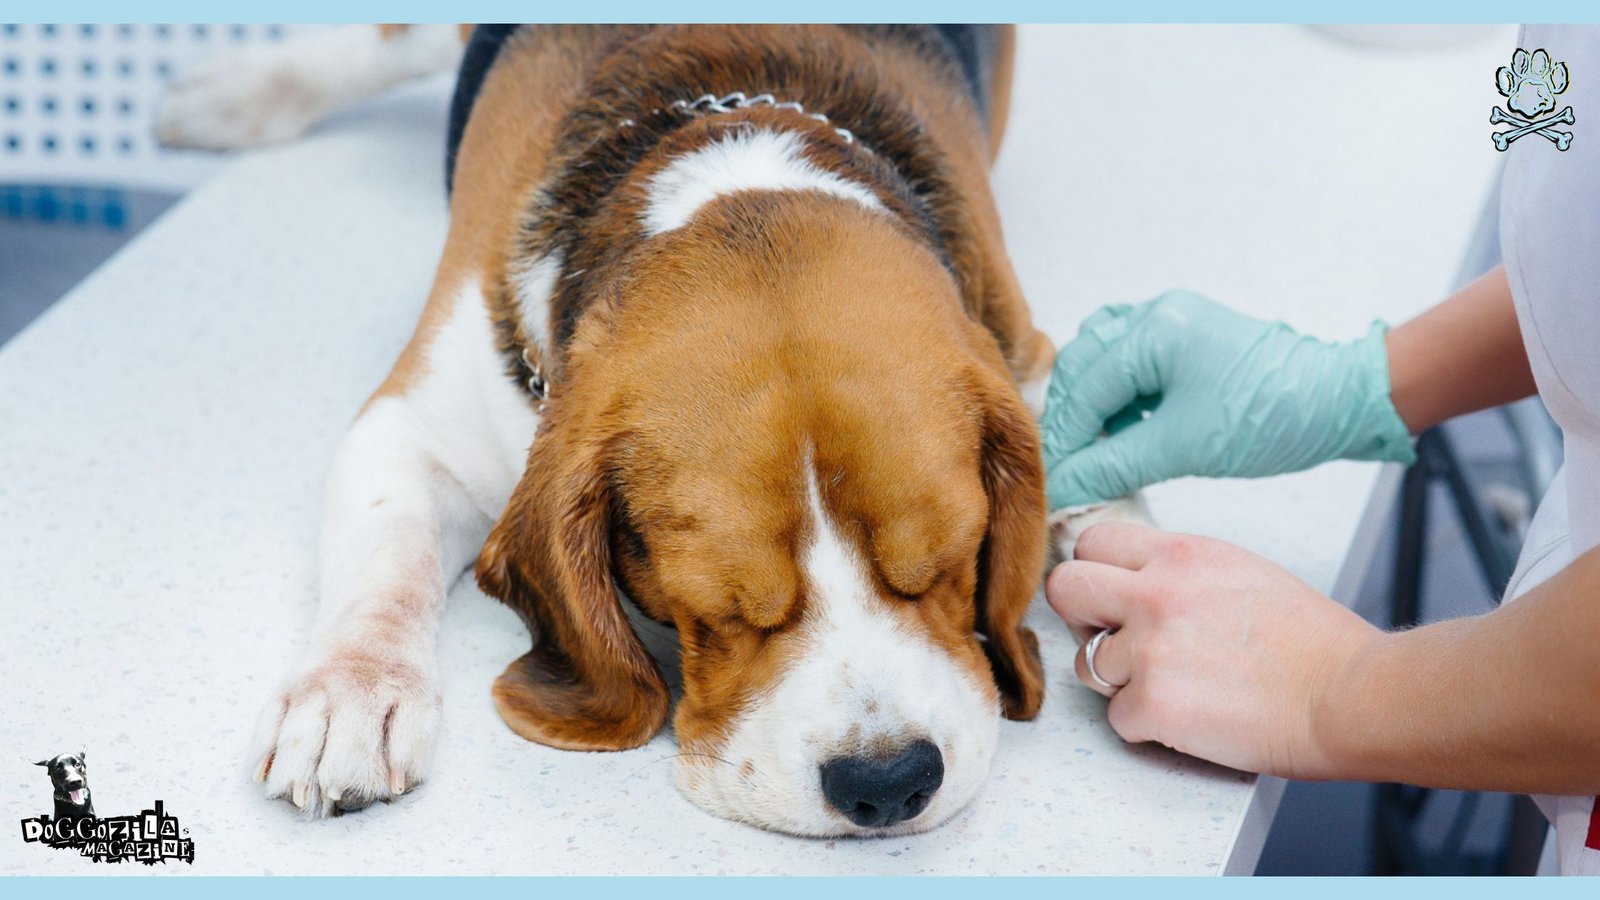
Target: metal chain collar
(710, 104)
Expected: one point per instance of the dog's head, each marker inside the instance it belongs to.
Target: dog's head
(69, 775)
(784, 437)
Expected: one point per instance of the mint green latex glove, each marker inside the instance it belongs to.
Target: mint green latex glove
(1186, 386)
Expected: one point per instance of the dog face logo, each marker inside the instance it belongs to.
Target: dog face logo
(1530, 85)
(69, 776)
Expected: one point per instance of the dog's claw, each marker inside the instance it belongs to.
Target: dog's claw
(325, 745)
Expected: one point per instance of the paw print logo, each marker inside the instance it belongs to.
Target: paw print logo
(1530, 85)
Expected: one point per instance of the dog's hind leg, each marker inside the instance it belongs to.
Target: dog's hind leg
(273, 92)
(410, 498)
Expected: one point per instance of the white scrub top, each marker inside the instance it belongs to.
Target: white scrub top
(1550, 239)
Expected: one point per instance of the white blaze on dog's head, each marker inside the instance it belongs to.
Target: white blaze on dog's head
(873, 728)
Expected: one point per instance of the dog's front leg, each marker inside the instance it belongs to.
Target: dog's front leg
(356, 722)
(410, 498)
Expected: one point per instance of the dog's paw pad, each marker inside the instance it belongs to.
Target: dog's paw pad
(350, 730)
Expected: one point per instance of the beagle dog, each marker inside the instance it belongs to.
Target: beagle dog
(725, 329)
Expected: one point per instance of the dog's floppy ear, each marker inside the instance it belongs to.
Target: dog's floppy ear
(1013, 553)
(588, 683)
(43, 762)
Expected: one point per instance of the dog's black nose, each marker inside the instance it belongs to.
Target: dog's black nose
(876, 792)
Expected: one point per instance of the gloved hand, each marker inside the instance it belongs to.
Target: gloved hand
(1188, 387)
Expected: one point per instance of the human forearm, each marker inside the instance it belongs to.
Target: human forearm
(1506, 701)
(1463, 355)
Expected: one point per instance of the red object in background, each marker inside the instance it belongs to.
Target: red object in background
(1593, 840)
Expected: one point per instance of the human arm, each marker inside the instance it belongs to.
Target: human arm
(1226, 656)
(1463, 355)
(1237, 396)
(1505, 701)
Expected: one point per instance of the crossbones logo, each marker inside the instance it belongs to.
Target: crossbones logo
(1530, 85)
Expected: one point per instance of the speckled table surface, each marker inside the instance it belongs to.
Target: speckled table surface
(165, 429)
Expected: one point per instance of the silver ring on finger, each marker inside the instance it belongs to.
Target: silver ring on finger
(1089, 650)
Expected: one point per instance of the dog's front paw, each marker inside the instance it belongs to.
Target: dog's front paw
(259, 96)
(351, 729)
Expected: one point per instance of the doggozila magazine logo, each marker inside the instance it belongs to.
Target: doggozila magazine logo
(150, 837)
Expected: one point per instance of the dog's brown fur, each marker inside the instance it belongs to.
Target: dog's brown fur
(695, 372)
